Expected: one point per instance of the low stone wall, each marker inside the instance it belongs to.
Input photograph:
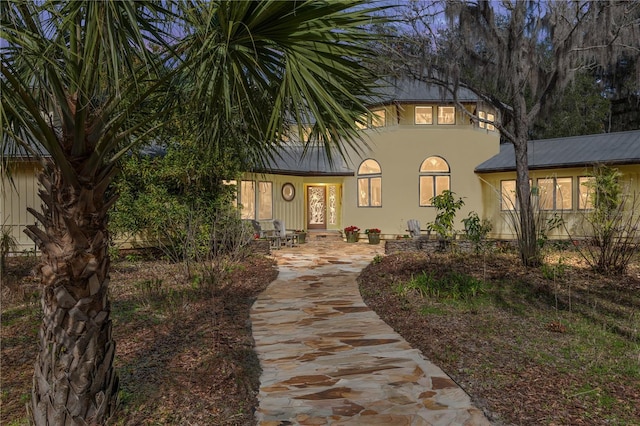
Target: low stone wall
(427, 245)
(260, 247)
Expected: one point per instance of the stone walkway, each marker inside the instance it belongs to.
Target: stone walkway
(327, 359)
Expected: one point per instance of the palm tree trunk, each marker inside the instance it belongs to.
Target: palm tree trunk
(74, 380)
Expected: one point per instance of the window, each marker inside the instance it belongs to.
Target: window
(555, 193)
(435, 177)
(446, 115)
(423, 115)
(508, 195)
(378, 118)
(265, 201)
(248, 199)
(256, 204)
(492, 119)
(586, 192)
(369, 184)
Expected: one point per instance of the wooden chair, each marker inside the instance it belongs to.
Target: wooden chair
(286, 238)
(270, 235)
(415, 232)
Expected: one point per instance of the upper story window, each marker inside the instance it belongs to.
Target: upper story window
(369, 184)
(555, 193)
(376, 118)
(446, 115)
(491, 118)
(423, 115)
(435, 177)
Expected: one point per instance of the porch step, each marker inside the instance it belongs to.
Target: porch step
(323, 235)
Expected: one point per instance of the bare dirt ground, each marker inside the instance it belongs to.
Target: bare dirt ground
(184, 350)
(558, 345)
(551, 346)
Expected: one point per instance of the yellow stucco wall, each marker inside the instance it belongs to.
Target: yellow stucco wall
(16, 198)
(502, 220)
(294, 212)
(400, 149)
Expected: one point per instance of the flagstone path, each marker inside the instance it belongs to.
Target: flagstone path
(327, 359)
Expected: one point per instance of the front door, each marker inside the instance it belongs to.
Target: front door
(316, 207)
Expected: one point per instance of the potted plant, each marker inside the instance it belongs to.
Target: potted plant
(374, 235)
(302, 235)
(352, 233)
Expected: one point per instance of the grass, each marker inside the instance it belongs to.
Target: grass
(554, 345)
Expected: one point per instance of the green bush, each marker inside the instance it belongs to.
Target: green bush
(476, 230)
(453, 285)
(447, 206)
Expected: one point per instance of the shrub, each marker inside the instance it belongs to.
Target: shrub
(453, 285)
(476, 230)
(611, 227)
(447, 207)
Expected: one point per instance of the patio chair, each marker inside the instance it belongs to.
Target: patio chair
(270, 235)
(287, 238)
(415, 232)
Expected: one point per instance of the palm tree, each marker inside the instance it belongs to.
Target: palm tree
(81, 82)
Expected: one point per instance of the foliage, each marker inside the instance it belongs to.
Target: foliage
(545, 224)
(523, 322)
(83, 82)
(517, 59)
(372, 231)
(453, 285)
(476, 230)
(612, 226)
(8, 243)
(350, 229)
(446, 206)
(162, 197)
(580, 110)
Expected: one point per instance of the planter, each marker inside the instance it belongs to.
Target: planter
(374, 238)
(352, 237)
(302, 237)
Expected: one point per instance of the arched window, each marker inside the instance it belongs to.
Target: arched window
(369, 184)
(435, 177)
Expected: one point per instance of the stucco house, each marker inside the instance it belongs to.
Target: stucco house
(418, 143)
(559, 170)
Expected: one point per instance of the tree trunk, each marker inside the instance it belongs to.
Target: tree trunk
(527, 241)
(74, 381)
